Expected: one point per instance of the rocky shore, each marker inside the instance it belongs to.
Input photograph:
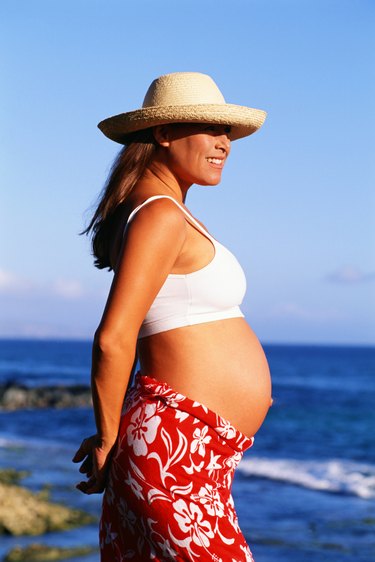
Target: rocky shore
(14, 396)
(23, 512)
(40, 553)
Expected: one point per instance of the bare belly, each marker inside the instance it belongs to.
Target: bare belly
(220, 364)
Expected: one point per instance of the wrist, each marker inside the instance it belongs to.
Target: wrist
(105, 443)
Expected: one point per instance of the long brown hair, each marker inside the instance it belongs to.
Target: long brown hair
(127, 168)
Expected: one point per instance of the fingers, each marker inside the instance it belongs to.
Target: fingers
(84, 449)
(94, 466)
(86, 467)
(92, 486)
(84, 486)
(80, 454)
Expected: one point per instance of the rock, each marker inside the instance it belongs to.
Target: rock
(12, 476)
(25, 513)
(41, 553)
(15, 397)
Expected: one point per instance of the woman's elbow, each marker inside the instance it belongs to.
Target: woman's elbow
(110, 342)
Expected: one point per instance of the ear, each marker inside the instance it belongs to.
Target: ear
(162, 135)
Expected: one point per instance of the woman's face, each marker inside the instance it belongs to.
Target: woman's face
(194, 152)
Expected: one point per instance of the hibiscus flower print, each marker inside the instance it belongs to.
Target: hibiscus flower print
(233, 461)
(246, 550)
(174, 401)
(166, 548)
(128, 518)
(201, 439)
(180, 415)
(226, 430)
(109, 493)
(109, 535)
(142, 429)
(213, 464)
(199, 405)
(210, 498)
(135, 486)
(190, 521)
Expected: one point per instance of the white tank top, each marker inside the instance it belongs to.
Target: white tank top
(211, 293)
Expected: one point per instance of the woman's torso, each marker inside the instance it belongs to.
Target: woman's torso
(218, 363)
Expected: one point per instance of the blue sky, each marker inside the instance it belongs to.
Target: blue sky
(296, 203)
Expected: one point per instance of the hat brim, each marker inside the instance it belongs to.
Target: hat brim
(243, 120)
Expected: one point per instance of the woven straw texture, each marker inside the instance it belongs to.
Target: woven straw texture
(184, 97)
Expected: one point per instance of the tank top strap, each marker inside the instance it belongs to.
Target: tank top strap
(188, 215)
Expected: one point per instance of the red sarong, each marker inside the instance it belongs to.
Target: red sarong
(169, 491)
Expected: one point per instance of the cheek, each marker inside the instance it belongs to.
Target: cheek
(187, 158)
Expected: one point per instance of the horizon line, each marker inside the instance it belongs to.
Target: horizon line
(266, 343)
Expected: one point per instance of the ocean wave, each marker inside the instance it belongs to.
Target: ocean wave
(32, 444)
(334, 475)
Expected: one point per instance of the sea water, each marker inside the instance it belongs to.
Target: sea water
(304, 492)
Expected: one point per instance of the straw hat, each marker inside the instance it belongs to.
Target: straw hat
(184, 97)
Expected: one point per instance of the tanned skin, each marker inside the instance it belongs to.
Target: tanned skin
(220, 364)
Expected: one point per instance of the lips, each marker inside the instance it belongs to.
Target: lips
(216, 161)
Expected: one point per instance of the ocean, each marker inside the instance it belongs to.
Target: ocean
(304, 492)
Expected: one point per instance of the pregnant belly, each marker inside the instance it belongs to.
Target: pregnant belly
(220, 364)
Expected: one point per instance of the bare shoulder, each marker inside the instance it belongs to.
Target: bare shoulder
(159, 214)
(157, 234)
(158, 223)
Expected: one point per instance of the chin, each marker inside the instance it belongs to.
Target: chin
(206, 183)
(211, 181)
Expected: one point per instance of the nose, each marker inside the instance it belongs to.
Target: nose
(223, 142)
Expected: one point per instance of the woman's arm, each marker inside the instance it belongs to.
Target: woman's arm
(153, 242)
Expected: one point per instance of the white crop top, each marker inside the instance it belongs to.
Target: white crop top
(211, 293)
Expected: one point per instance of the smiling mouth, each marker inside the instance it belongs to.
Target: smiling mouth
(216, 161)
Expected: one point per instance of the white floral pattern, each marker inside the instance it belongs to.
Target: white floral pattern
(169, 492)
(210, 498)
(134, 486)
(142, 428)
(190, 521)
(201, 439)
(226, 430)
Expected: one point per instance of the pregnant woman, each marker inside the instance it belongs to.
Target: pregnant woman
(166, 455)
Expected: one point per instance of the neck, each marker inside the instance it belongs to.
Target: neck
(168, 183)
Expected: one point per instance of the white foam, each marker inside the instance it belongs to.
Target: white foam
(334, 475)
(32, 443)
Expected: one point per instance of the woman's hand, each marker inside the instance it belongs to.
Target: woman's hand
(96, 460)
